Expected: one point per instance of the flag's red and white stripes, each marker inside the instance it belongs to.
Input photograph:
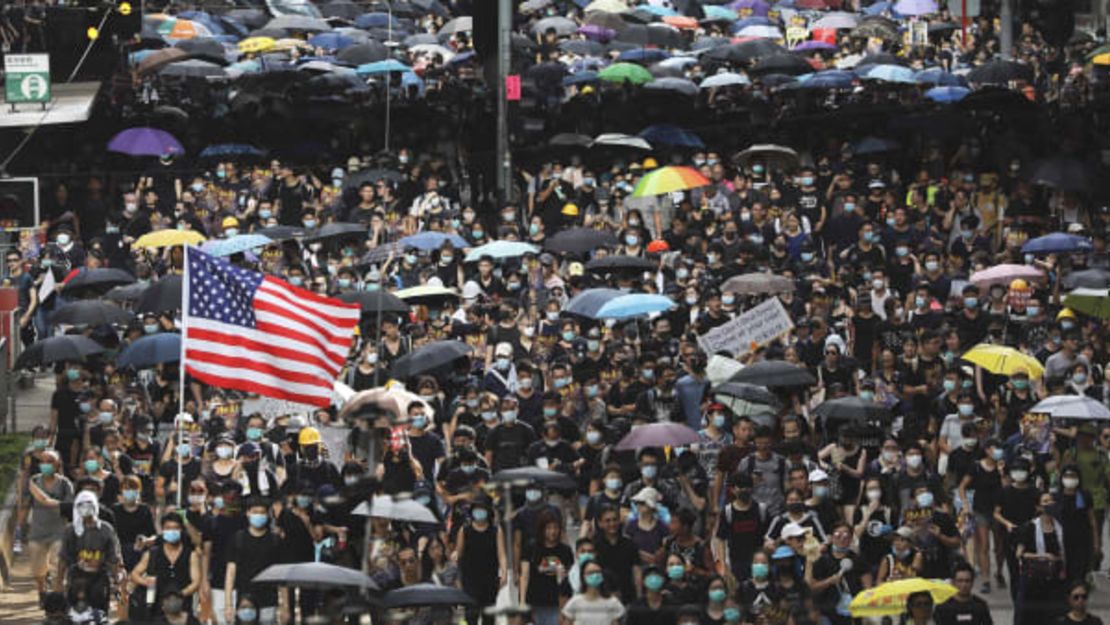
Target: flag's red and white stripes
(298, 347)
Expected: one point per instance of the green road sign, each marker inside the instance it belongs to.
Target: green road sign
(26, 78)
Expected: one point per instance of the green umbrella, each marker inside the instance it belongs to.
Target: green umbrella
(1093, 302)
(622, 72)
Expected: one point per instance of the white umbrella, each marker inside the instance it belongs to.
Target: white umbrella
(386, 507)
(621, 140)
(725, 79)
(1073, 407)
(760, 30)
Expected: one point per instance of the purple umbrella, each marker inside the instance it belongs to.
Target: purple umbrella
(757, 7)
(597, 33)
(916, 7)
(145, 142)
(658, 435)
(814, 45)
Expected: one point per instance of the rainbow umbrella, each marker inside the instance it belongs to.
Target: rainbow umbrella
(669, 179)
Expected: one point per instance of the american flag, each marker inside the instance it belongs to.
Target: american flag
(255, 333)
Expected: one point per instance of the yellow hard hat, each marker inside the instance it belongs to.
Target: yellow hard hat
(1019, 285)
(309, 436)
(1066, 313)
(230, 222)
(570, 210)
(649, 163)
(587, 90)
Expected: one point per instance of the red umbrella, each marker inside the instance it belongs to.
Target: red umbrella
(658, 435)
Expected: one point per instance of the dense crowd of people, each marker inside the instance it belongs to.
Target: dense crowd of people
(781, 513)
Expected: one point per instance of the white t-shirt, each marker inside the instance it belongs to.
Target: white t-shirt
(581, 610)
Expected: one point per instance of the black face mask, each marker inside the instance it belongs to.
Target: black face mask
(744, 495)
(796, 508)
(310, 453)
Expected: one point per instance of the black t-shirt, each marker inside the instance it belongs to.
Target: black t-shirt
(65, 402)
(427, 449)
(1018, 504)
(1064, 619)
(509, 445)
(618, 559)
(827, 566)
(252, 555)
(297, 541)
(168, 471)
(743, 531)
(132, 524)
(219, 529)
(544, 588)
(953, 612)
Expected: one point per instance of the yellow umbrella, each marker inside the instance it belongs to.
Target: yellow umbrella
(1101, 59)
(169, 238)
(889, 599)
(426, 290)
(1003, 360)
(289, 43)
(256, 44)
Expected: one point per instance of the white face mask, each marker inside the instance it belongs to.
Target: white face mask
(874, 494)
(1070, 482)
(1019, 475)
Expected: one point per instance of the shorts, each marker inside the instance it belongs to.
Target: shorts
(44, 556)
(983, 519)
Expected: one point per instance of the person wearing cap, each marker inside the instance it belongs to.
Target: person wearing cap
(904, 560)
(501, 375)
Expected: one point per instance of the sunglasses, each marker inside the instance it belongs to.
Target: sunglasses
(1082, 597)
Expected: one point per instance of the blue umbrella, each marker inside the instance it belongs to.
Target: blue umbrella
(634, 305)
(588, 303)
(580, 78)
(145, 142)
(644, 55)
(426, 241)
(1055, 243)
(461, 58)
(940, 78)
(878, 8)
(875, 145)
(330, 41)
(383, 67)
(231, 149)
(236, 244)
(755, 20)
(947, 95)
(831, 79)
(212, 23)
(151, 350)
(667, 134)
(659, 11)
(375, 20)
(891, 73)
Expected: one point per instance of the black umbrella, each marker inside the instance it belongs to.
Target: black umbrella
(422, 595)
(618, 263)
(341, 8)
(773, 373)
(853, 409)
(90, 312)
(1000, 72)
(373, 175)
(1063, 172)
(746, 51)
(582, 47)
(751, 393)
(283, 233)
(428, 357)
(534, 475)
(880, 58)
(373, 301)
(782, 64)
(363, 53)
(1088, 278)
(569, 139)
(98, 280)
(71, 348)
(313, 575)
(337, 229)
(579, 241)
(162, 296)
(612, 21)
(550, 73)
(876, 26)
(126, 293)
(206, 47)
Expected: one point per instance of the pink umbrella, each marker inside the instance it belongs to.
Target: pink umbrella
(658, 435)
(597, 33)
(1004, 274)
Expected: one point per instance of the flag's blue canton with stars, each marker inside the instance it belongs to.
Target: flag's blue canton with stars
(221, 291)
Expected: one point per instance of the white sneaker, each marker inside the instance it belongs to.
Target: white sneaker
(17, 546)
